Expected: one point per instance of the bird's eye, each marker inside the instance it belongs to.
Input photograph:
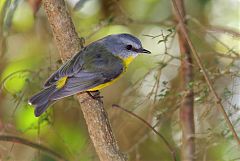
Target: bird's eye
(129, 47)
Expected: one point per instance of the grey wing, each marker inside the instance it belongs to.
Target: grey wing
(100, 66)
(75, 85)
(69, 68)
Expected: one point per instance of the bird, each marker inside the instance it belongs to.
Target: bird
(96, 66)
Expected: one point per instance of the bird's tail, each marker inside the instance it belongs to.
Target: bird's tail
(42, 100)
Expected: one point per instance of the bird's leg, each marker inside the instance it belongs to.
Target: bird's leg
(82, 42)
(95, 94)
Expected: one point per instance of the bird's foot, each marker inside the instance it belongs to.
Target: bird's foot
(95, 94)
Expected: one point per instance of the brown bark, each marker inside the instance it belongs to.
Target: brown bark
(68, 43)
(187, 106)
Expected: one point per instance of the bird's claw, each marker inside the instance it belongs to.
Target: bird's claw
(95, 94)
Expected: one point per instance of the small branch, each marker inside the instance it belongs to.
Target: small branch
(68, 43)
(221, 29)
(223, 55)
(171, 150)
(187, 105)
(15, 139)
(205, 29)
(200, 64)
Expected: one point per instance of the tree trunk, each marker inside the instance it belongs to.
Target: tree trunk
(186, 108)
(68, 43)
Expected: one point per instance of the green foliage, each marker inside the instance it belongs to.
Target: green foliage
(29, 124)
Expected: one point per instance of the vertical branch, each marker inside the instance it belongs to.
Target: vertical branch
(66, 38)
(170, 148)
(204, 72)
(68, 43)
(186, 108)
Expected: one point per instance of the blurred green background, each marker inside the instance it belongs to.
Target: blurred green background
(151, 87)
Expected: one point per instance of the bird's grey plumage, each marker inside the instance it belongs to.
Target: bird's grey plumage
(96, 64)
(98, 69)
(112, 44)
(117, 44)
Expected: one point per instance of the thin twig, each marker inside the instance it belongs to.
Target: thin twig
(222, 29)
(170, 148)
(204, 29)
(18, 102)
(15, 139)
(205, 74)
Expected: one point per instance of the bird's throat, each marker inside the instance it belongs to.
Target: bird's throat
(128, 60)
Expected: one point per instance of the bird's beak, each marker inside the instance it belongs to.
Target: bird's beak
(145, 51)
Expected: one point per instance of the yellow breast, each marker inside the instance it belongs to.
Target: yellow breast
(104, 84)
(126, 62)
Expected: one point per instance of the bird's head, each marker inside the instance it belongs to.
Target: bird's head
(124, 45)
